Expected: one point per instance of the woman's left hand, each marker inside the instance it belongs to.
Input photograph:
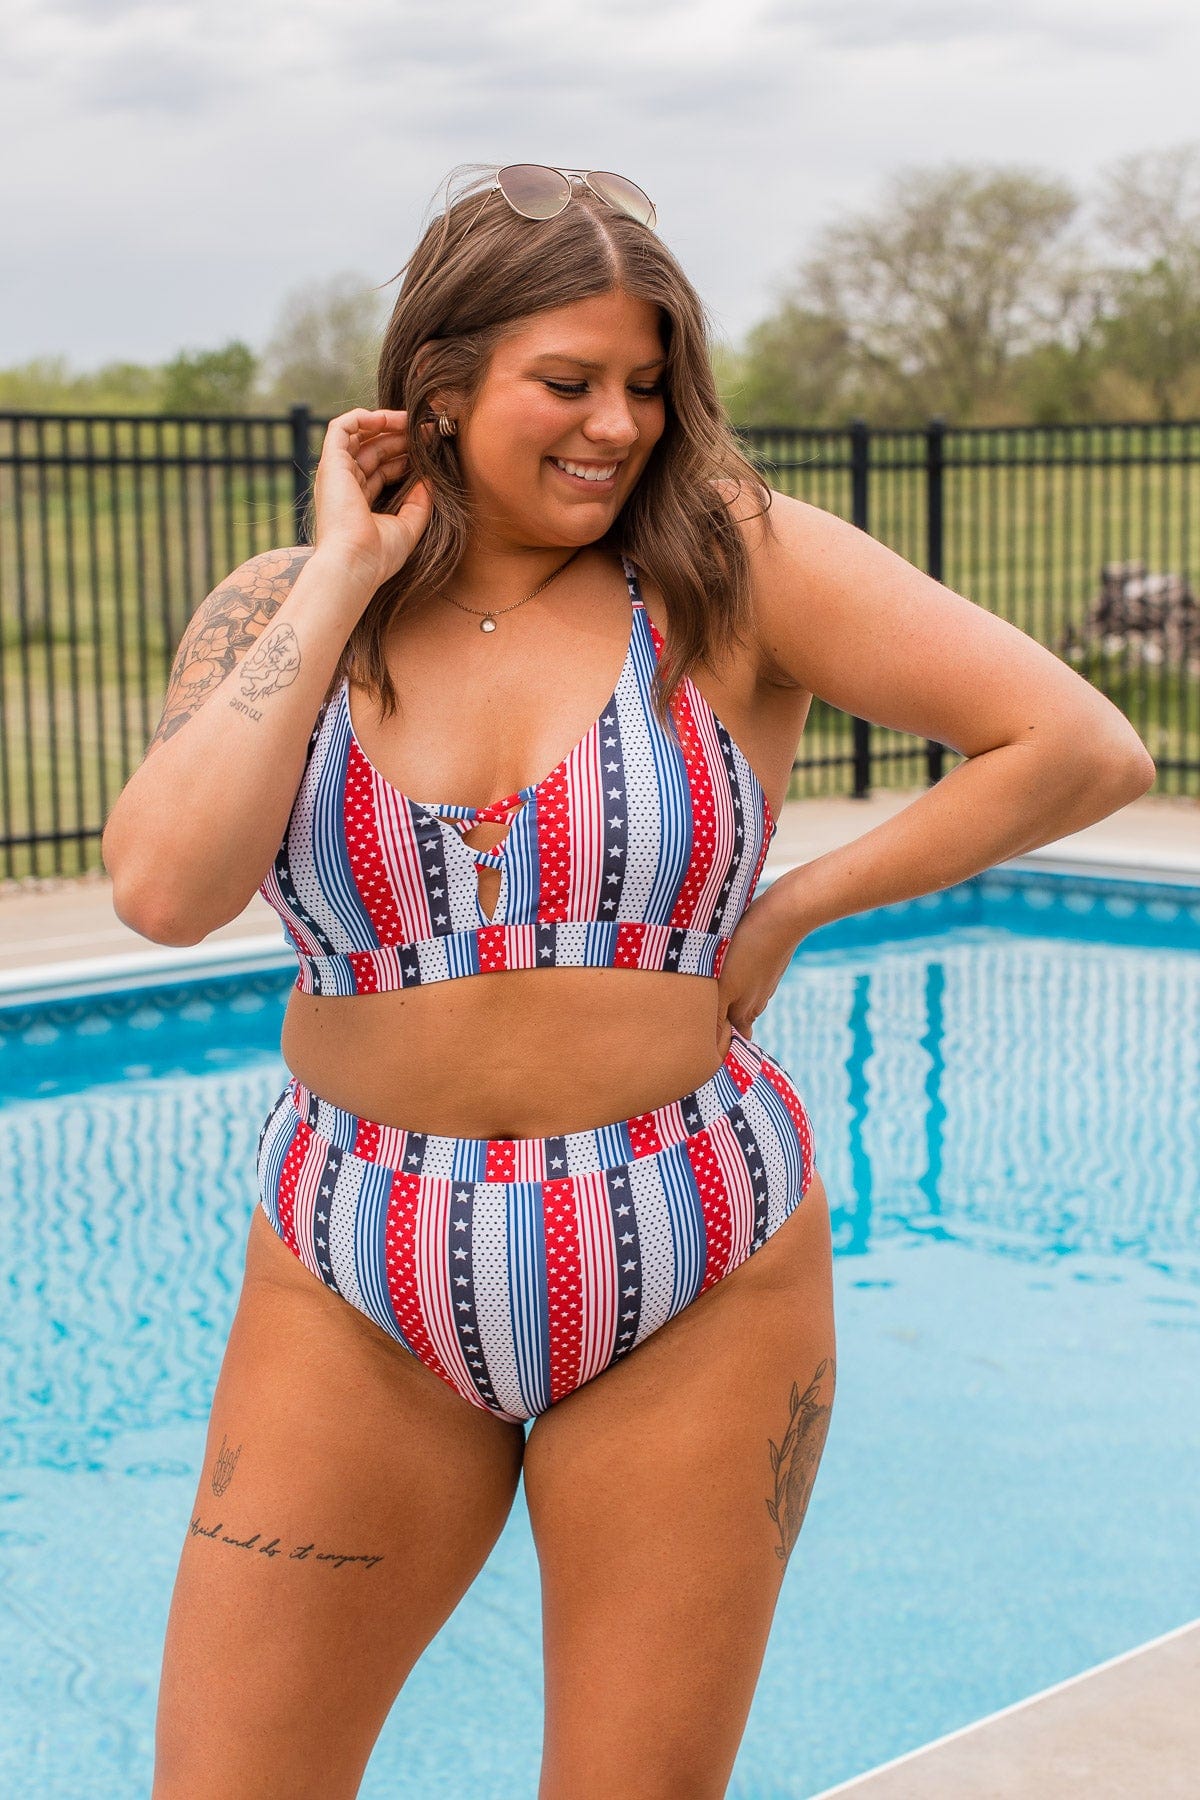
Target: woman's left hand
(759, 951)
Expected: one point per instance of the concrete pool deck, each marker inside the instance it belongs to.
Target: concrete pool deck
(1126, 1730)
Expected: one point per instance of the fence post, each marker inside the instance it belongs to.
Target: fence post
(935, 515)
(302, 467)
(860, 464)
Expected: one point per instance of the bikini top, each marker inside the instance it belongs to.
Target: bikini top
(636, 851)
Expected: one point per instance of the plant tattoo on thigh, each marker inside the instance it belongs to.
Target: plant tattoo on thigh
(795, 1460)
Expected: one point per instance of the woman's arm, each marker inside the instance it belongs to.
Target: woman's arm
(195, 828)
(852, 622)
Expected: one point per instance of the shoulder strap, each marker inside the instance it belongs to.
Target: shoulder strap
(321, 716)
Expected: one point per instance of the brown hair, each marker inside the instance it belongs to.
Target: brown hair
(478, 269)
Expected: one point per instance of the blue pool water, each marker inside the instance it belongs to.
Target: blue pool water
(1004, 1082)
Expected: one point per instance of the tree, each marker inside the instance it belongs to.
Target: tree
(922, 304)
(210, 381)
(1149, 208)
(1149, 202)
(797, 368)
(48, 384)
(325, 348)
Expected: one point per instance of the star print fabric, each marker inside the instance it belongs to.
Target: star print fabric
(640, 850)
(516, 1269)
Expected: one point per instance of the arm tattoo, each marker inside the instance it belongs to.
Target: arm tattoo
(272, 663)
(795, 1459)
(225, 627)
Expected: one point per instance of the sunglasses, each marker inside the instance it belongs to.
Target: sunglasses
(538, 192)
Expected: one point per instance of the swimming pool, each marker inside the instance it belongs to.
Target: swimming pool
(1004, 1082)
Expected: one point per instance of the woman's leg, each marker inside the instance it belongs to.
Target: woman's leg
(663, 1521)
(348, 1499)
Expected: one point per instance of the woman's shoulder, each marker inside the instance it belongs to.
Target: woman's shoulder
(773, 535)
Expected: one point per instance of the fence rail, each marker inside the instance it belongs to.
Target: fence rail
(113, 528)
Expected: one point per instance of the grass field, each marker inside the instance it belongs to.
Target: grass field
(102, 565)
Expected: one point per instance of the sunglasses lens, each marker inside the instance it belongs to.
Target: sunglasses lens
(533, 190)
(624, 196)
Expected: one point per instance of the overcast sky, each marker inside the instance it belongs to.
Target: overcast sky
(173, 168)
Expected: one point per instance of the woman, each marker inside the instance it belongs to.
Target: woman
(521, 1173)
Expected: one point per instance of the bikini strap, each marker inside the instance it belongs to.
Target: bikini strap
(632, 583)
(322, 714)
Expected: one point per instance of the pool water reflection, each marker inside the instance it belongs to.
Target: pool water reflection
(1008, 1127)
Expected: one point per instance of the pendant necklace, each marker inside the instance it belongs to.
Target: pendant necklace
(487, 620)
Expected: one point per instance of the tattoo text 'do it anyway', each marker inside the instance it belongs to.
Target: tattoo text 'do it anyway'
(256, 1543)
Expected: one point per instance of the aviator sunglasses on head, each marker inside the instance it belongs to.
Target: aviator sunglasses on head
(538, 192)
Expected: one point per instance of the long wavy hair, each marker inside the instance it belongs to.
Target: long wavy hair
(478, 270)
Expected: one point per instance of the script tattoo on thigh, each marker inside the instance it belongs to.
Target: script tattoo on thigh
(795, 1460)
(224, 1466)
(275, 1547)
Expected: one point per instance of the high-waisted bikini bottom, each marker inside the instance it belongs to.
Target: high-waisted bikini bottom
(516, 1269)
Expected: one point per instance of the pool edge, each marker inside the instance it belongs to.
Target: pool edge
(82, 976)
(947, 1777)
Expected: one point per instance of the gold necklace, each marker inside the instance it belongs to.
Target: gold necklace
(488, 619)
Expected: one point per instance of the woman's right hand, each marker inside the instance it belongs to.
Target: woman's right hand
(363, 453)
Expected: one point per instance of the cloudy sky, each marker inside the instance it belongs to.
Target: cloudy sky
(174, 167)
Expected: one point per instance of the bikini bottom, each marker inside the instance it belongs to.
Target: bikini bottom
(516, 1269)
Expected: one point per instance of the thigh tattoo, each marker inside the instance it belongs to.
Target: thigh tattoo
(224, 1464)
(794, 1460)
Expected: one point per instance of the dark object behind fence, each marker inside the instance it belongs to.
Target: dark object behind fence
(113, 528)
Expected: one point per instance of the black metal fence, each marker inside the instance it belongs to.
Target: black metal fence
(112, 529)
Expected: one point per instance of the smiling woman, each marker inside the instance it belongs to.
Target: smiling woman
(521, 1173)
(602, 319)
(537, 417)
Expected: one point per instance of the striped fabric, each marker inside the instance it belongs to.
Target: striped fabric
(516, 1269)
(637, 852)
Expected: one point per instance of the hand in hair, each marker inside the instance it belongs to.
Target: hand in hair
(363, 453)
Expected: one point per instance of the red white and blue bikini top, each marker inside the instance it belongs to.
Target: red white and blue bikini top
(635, 852)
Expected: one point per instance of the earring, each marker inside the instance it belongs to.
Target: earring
(446, 425)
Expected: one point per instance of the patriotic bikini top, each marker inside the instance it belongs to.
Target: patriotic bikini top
(635, 852)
